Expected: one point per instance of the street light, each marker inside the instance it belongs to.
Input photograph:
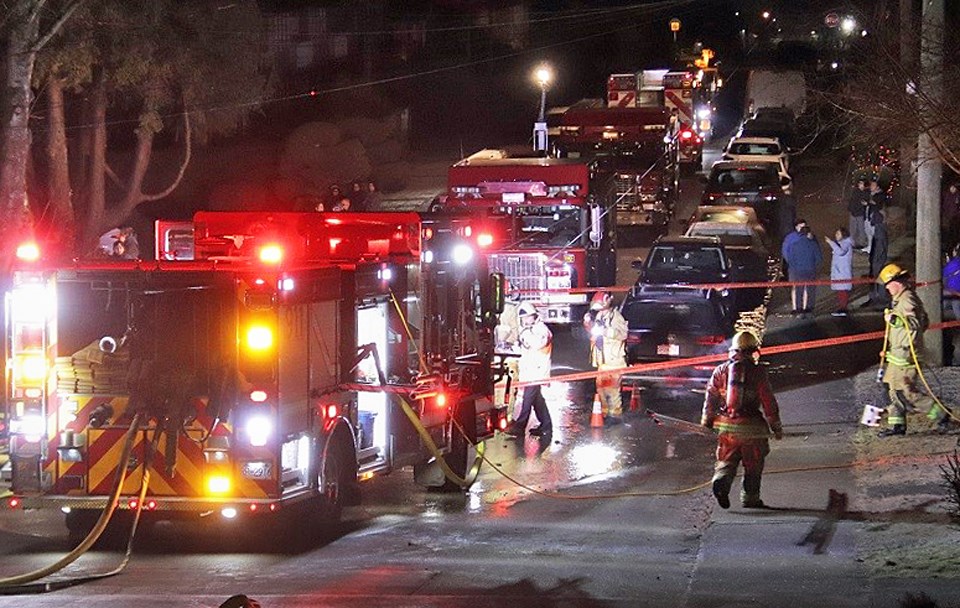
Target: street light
(848, 25)
(765, 14)
(542, 75)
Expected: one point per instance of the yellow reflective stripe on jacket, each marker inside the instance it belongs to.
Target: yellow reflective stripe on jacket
(898, 361)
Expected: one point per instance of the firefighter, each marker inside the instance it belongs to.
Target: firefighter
(507, 334)
(608, 335)
(536, 345)
(741, 406)
(905, 324)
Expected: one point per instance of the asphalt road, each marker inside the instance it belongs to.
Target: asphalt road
(547, 524)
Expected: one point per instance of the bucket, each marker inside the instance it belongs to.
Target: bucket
(871, 415)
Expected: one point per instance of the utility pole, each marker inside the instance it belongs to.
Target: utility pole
(929, 173)
(908, 140)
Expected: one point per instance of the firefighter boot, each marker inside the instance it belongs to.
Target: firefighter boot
(750, 494)
(721, 491)
(894, 431)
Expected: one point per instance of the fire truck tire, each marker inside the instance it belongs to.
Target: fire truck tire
(338, 475)
(462, 453)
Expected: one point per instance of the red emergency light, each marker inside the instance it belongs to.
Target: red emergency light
(28, 252)
(271, 254)
(484, 239)
(441, 400)
(14, 503)
(258, 396)
(686, 134)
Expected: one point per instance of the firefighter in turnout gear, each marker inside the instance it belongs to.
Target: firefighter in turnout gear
(741, 406)
(536, 346)
(608, 334)
(905, 323)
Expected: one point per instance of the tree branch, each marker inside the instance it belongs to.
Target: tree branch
(112, 175)
(67, 12)
(183, 166)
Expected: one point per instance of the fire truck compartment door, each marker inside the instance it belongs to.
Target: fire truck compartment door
(372, 407)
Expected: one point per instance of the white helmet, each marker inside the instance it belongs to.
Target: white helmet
(526, 309)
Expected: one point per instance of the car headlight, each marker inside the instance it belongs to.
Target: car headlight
(462, 254)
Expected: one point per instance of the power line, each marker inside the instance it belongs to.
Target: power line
(676, 4)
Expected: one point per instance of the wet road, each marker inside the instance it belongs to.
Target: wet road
(558, 522)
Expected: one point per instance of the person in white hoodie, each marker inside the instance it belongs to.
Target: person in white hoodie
(536, 346)
(841, 268)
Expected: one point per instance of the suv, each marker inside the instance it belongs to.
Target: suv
(667, 324)
(766, 149)
(676, 261)
(747, 184)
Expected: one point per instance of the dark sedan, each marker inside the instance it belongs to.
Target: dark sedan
(667, 324)
(758, 185)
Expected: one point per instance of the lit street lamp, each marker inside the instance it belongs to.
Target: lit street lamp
(848, 25)
(543, 75)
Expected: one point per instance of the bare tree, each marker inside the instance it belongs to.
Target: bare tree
(28, 25)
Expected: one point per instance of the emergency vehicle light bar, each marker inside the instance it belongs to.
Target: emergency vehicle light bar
(288, 238)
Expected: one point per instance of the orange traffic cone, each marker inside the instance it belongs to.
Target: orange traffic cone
(596, 418)
(636, 400)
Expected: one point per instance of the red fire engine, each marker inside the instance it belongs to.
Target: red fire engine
(275, 358)
(633, 145)
(545, 223)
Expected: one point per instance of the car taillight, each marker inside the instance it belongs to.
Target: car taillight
(710, 340)
(685, 135)
(633, 338)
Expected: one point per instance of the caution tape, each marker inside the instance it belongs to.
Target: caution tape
(718, 286)
(717, 357)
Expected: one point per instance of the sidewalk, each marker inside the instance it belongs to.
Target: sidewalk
(890, 538)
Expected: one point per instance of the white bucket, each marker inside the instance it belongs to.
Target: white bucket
(871, 415)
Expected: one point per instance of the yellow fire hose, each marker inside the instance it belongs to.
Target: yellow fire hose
(19, 585)
(916, 364)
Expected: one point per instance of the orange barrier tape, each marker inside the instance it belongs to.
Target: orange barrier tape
(717, 357)
(741, 285)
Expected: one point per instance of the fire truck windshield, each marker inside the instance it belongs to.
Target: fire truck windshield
(540, 227)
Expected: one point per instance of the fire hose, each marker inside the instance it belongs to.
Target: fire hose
(21, 584)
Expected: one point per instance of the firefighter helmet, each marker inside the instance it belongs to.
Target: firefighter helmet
(601, 300)
(526, 309)
(891, 272)
(744, 341)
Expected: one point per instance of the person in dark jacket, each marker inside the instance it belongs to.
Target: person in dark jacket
(876, 202)
(950, 217)
(786, 217)
(878, 259)
(856, 206)
(803, 258)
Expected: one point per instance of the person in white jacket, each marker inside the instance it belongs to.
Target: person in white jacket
(841, 268)
(536, 346)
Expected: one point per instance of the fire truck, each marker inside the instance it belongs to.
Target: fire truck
(544, 223)
(680, 95)
(633, 145)
(622, 90)
(274, 359)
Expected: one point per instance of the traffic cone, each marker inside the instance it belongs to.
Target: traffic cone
(636, 400)
(596, 418)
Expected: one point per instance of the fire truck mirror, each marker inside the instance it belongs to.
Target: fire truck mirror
(596, 225)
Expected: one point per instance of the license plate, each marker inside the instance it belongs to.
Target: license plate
(257, 470)
(671, 350)
(740, 199)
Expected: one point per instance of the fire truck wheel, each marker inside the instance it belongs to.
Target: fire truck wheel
(462, 453)
(334, 480)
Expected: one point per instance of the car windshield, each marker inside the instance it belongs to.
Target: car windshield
(770, 149)
(719, 229)
(731, 216)
(542, 227)
(699, 259)
(742, 178)
(679, 316)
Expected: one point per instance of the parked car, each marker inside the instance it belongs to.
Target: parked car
(677, 261)
(781, 114)
(757, 185)
(669, 324)
(758, 149)
(749, 252)
(756, 127)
